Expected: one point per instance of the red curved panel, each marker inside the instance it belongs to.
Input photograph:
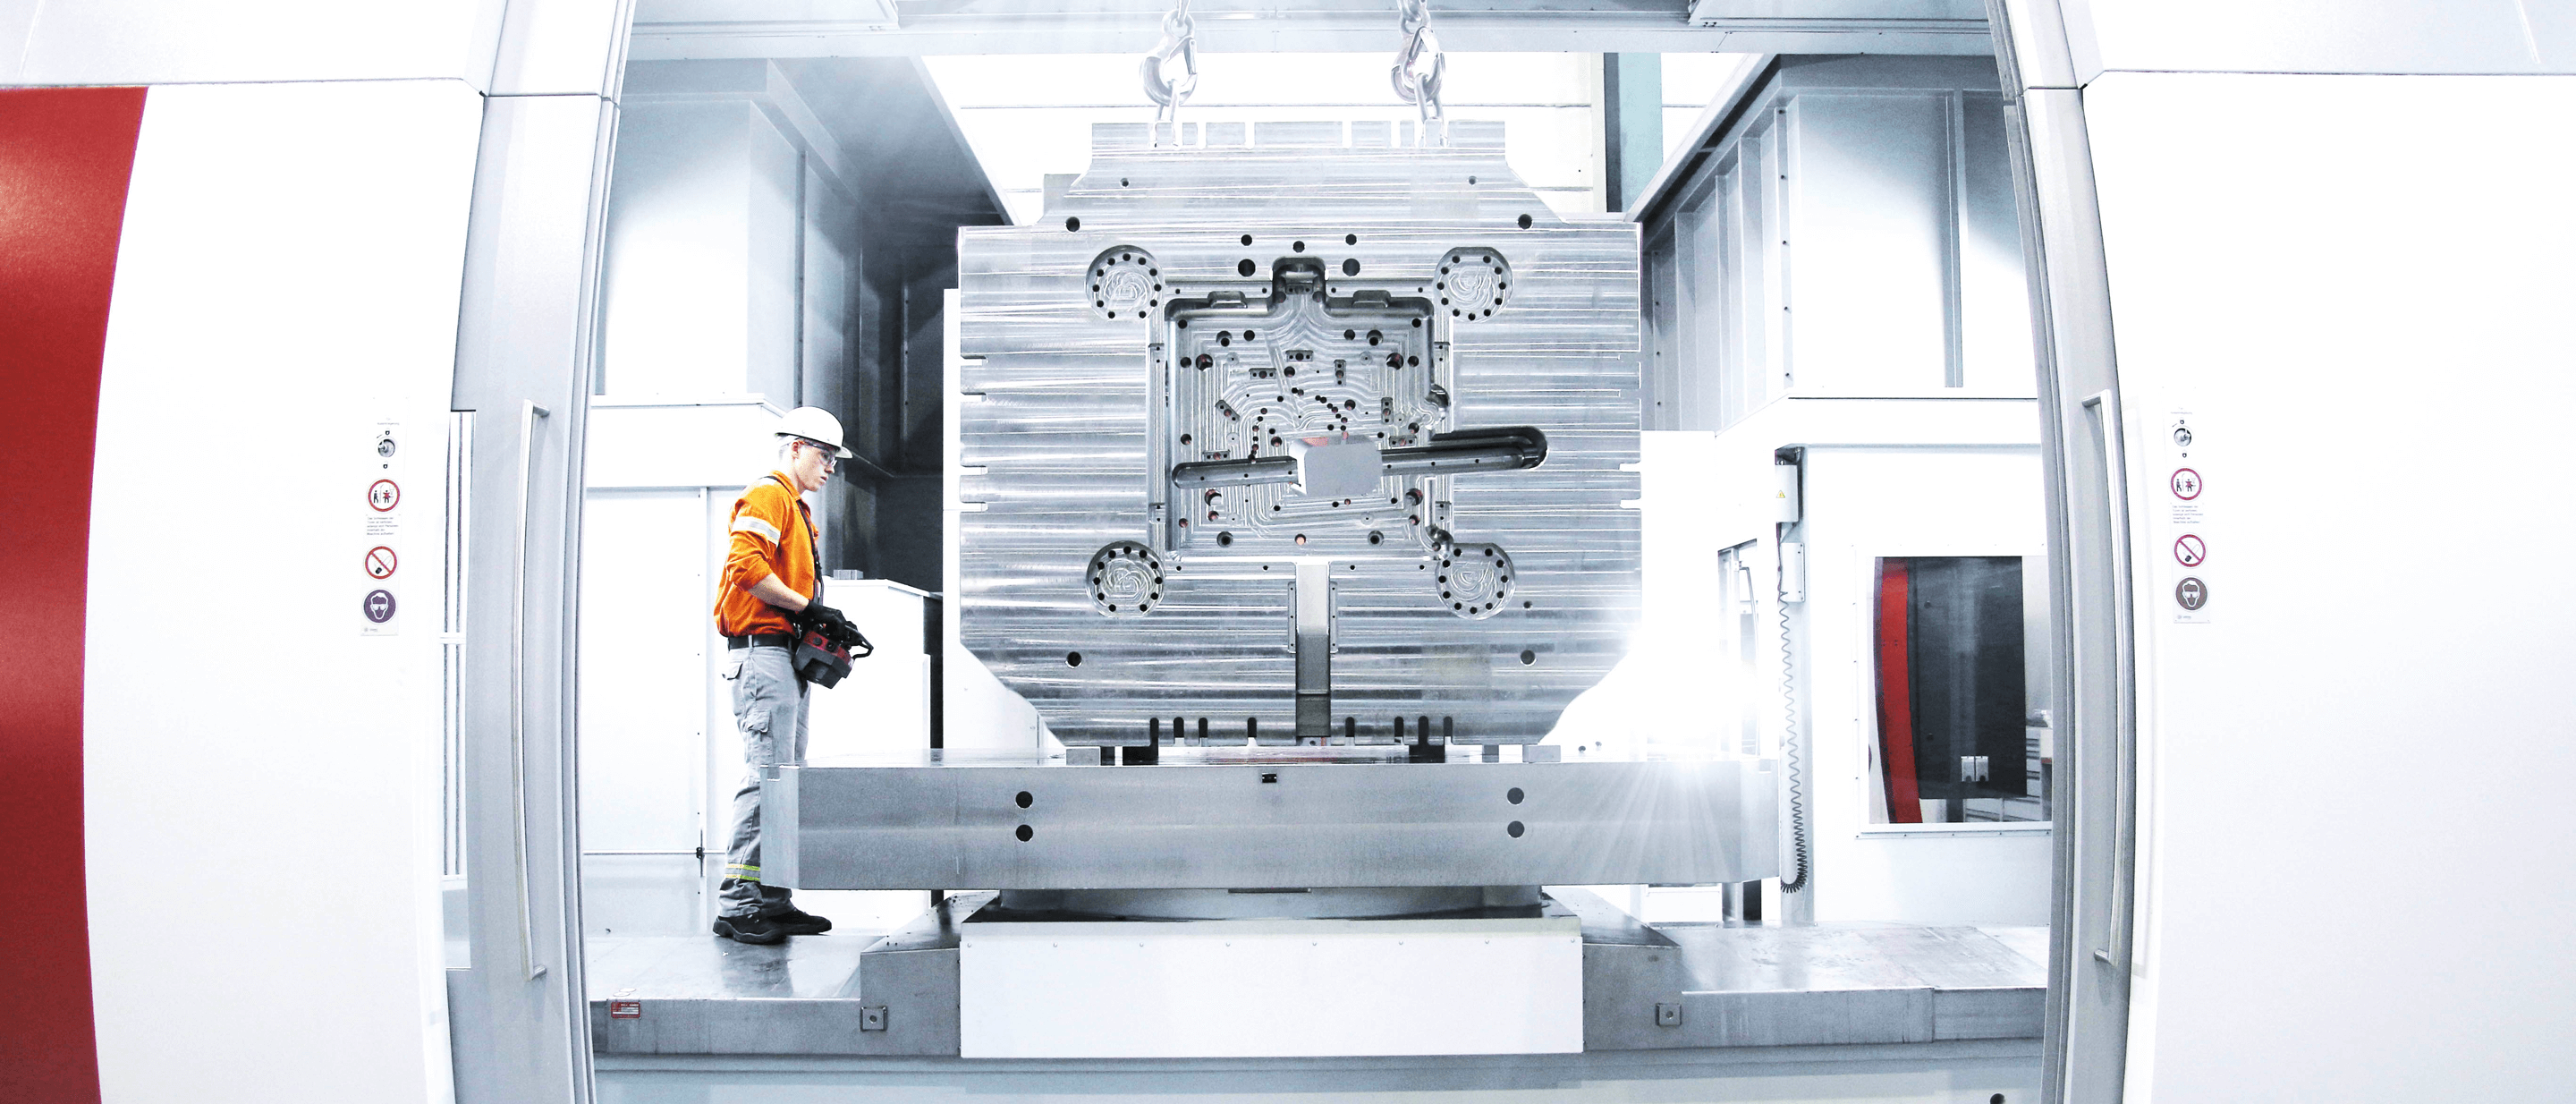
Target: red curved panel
(1896, 693)
(65, 159)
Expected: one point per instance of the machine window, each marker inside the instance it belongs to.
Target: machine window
(1957, 739)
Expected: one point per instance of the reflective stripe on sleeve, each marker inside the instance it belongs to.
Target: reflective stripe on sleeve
(756, 527)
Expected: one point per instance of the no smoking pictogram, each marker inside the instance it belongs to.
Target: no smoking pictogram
(2186, 484)
(381, 562)
(2190, 551)
(383, 495)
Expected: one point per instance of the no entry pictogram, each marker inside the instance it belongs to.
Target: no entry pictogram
(381, 562)
(383, 495)
(2189, 550)
(2186, 484)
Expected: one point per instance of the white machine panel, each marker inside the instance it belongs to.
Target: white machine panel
(1271, 988)
(883, 704)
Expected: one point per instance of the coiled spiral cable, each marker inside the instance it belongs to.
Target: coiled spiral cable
(1790, 746)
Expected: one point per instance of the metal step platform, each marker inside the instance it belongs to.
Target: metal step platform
(1666, 987)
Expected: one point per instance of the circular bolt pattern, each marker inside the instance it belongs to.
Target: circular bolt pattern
(1124, 283)
(1473, 283)
(1125, 579)
(1475, 580)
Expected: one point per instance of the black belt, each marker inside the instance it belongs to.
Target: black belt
(766, 640)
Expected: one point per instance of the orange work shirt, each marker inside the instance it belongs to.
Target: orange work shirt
(772, 534)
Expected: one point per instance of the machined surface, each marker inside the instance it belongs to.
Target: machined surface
(1327, 289)
(1210, 819)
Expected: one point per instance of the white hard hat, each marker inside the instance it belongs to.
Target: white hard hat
(815, 424)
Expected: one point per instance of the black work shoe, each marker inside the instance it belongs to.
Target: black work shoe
(750, 929)
(797, 921)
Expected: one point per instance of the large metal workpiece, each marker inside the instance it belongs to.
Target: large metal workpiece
(1217, 818)
(1670, 987)
(1296, 433)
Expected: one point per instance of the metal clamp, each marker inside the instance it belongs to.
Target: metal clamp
(518, 685)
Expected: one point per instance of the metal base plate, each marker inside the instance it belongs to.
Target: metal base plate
(1337, 819)
(1723, 987)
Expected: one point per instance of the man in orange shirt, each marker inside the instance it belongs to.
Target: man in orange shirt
(772, 585)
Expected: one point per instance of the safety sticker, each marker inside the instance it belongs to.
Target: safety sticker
(2189, 551)
(381, 533)
(378, 608)
(626, 1010)
(2186, 518)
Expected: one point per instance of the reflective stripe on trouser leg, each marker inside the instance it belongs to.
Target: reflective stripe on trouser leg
(768, 702)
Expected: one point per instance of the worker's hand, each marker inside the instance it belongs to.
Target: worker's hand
(816, 613)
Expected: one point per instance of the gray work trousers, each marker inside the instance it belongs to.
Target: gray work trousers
(769, 708)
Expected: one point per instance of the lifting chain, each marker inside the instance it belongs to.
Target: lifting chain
(1419, 67)
(1169, 92)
